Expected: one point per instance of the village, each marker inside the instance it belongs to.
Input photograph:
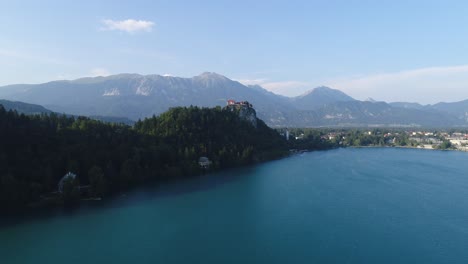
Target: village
(422, 139)
(417, 139)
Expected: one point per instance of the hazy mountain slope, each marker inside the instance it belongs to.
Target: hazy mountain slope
(361, 113)
(407, 105)
(24, 108)
(34, 109)
(459, 109)
(383, 113)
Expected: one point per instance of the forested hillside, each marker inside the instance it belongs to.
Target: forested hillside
(37, 151)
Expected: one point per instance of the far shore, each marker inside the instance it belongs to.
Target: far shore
(409, 147)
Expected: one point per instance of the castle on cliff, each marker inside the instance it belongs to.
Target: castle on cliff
(231, 102)
(244, 109)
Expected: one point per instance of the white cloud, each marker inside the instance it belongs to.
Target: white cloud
(99, 72)
(424, 85)
(128, 25)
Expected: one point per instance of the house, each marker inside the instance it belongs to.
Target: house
(204, 162)
(67, 176)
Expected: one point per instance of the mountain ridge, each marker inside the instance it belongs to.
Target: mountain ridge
(137, 96)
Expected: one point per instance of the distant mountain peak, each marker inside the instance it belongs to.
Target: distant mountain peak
(323, 88)
(326, 90)
(319, 97)
(211, 75)
(317, 89)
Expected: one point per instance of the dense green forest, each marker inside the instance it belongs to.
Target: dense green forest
(37, 151)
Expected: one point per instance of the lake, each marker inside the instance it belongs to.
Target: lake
(372, 205)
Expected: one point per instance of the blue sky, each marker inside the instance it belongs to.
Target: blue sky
(388, 50)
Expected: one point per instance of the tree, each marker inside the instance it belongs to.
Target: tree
(446, 144)
(97, 181)
(10, 191)
(127, 173)
(71, 191)
(357, 142)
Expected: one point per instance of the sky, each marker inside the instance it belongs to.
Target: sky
(414, 51)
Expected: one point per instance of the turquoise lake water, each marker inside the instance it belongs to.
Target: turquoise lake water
(340, 206)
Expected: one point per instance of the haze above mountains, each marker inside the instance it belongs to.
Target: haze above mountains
(135, 96)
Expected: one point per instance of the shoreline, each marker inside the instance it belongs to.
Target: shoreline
(45, 208)
(13, 217)
(407, 147)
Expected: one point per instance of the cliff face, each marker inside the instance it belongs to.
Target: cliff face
(249, 115)
(246, 113)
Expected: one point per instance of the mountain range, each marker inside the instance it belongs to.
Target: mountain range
(134, 96)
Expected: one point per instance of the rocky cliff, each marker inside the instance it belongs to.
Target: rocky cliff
(245, 112)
